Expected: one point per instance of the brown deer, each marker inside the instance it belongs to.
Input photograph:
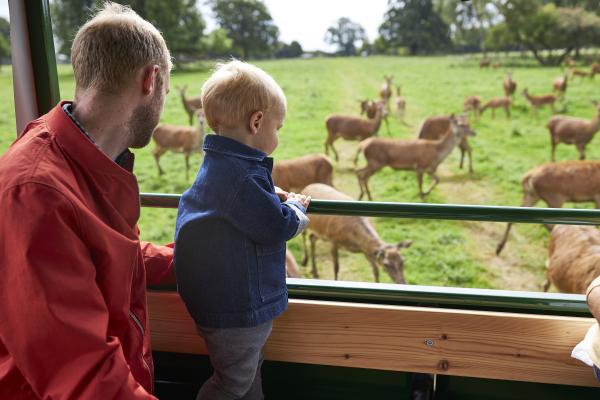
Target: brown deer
(472, 103)
(350, 128)
(484, 63)
(538, 101)
(296, 174)
(573, 258)
(571, 130)
(557, 183)
(400, 103)
(570, 63)
(369, 108)
(191, 104)
(497, 102)
(594, 69)
(385, 93)
(509, 85)
(560, 84)
(352, 233)
(579, 73)
(496, 65)
(422, 156)
(434, 128)
(179, 139)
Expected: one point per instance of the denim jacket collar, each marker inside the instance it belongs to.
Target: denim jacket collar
(230, 147)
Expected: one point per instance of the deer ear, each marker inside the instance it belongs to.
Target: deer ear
(405, 244)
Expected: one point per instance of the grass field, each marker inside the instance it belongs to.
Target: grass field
(444, 252)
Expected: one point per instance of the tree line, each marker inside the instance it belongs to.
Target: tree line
(550, 29)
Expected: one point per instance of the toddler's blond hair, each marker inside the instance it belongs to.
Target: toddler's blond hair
(235, 91)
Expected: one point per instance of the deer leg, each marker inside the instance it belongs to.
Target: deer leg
(504, 239)
(581, 150)
(462, 157)
(436, 180)
(374, 268)
(363, 176)
(546, 284)
(187, 166)
(553, 147)
(507, 111)
(313, 240)
(420, 182)
(191, 117)
(470, 154)
(158, 152)
(304, 260)
(336, 263)
(387, 125)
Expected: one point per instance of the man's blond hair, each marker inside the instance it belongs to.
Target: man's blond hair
(113, 46)
(235, 91)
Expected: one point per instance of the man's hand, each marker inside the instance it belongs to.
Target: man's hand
(282, 194)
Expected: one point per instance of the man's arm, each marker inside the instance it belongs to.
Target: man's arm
(593, 298)
(53, 318)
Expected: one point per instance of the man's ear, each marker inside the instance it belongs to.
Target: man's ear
(150, 79)
(256, 120)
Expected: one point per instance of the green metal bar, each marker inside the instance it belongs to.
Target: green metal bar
(42, 54)
(573, 305)
(426, 211)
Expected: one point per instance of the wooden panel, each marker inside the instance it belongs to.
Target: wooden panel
(522, 347)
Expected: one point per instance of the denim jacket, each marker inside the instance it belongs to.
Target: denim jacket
(230, 238)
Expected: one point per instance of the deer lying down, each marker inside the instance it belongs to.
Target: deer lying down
(421, 156)
(434, 128)
(355, 234)
(570, 130)
(296, 174)
(179, 139)
(557, 183)
(573, 258)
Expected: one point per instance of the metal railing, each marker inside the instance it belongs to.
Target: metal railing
(444, 297)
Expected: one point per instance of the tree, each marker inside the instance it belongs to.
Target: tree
(292, 50)
(249, 24)
(218, 44)
(499, 38)
(67, 17)
(4, 39)
(415, 25)
(345, 34)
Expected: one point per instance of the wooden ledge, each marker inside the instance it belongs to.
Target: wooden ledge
(520, 347)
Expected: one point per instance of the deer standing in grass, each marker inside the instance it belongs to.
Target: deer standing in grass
(295, 175)
(385, 93)
(400, 103)
(191, 104)
(573, 258)
(560, 84)
(179, 139)
(472, 103)
(352, 233)
(571, 130)
(594, 69)
(434, 128)
(369, 108)
(497, 102)
(350, 128)
(484, 63)
(421, 156)
(579, 73)
(557, 183)
(509, 85)
(538, 101)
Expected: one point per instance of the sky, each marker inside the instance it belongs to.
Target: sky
(306, 20)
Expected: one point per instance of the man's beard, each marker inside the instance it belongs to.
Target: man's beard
(143, 121)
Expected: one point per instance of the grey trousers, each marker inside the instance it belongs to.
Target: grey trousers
(236, 357)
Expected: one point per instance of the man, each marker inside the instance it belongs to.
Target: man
(593, 300)
(73, 318)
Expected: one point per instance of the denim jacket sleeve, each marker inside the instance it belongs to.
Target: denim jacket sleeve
(259, 214)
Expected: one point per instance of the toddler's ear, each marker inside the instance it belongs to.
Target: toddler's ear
(256, 120)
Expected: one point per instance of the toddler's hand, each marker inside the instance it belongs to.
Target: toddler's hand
(282, 194)
(302, 199)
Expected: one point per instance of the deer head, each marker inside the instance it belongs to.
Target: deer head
(388, 256)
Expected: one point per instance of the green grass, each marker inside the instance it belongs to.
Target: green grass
(444, 252)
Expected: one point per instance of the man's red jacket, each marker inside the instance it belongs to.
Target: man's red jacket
(73, 318)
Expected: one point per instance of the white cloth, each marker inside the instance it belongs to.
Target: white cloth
(582, 351)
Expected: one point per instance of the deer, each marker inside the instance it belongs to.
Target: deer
(472, 103)
(369, 108)
(594, 69)
(434, 128)
(496, 65)
(484, 63)
(180, 139)
(571, 130)
(400, 103)
(353, 233)
(557, 183)
(570, 63)
(291, 267)
(509, 85)
(350, 128)
(422, 156)
(537, 101)
(385, 93)
(497, 102)
(294, 175)
(560, 84)
(573, 258)
(579, 73)
(191, 104)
